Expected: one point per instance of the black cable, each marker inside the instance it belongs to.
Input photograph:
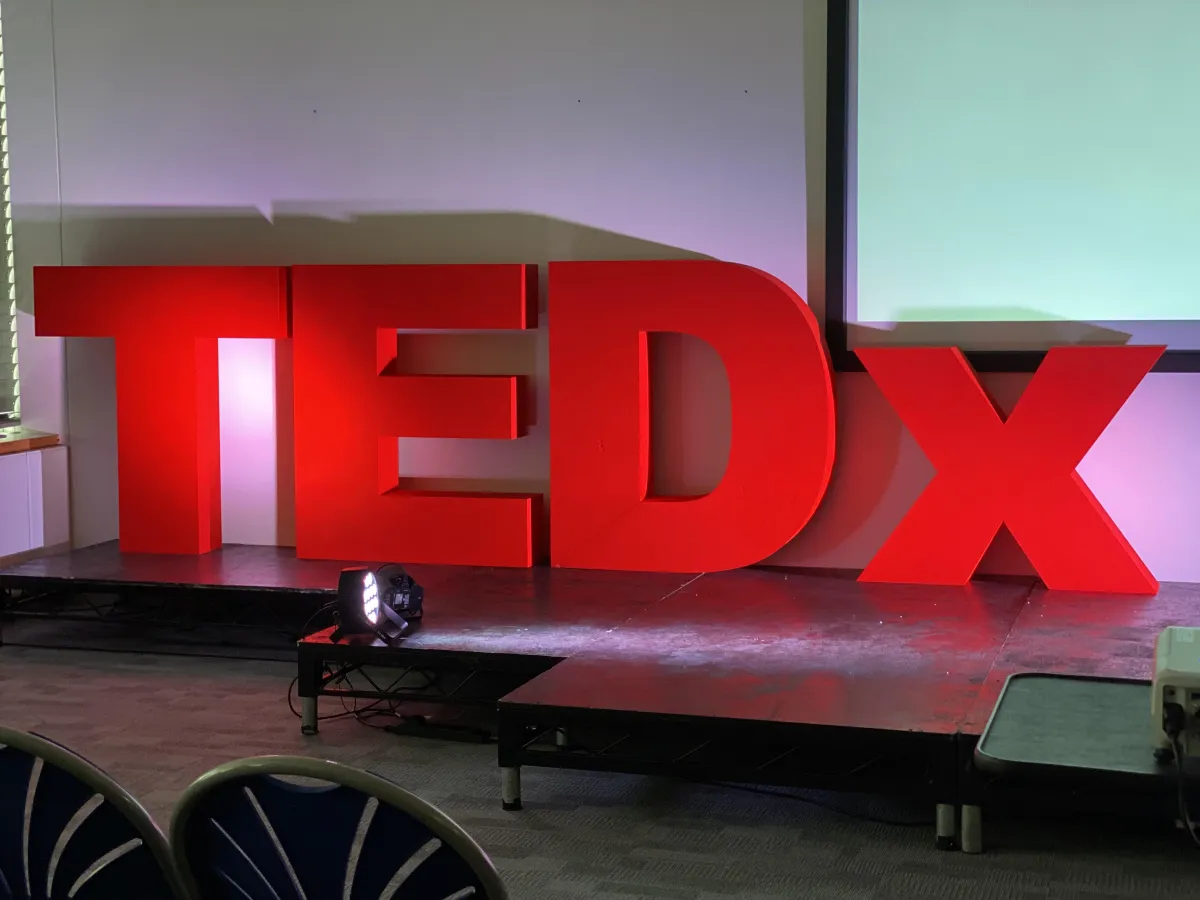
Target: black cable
(828, 807)
(366, 714)
(1181, 789)
(1174, 723)
(373, 708)
(328, 607)
(347, 713)
(343, 675)
(786, 795)
(841, 773)
(297, 713)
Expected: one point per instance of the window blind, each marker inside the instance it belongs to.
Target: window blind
(10, 386)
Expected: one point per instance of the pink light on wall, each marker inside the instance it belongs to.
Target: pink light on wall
(250, 488)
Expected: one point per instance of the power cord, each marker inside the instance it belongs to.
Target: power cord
(828, 807)
(1174, 722)
(383, 706)
(327, 608)
(373, 707)
(796, 796)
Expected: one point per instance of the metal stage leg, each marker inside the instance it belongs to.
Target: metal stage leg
(510, 787)
(310, 669)
(562, 739)
(972, 829)
(308, 715)
(946, 826)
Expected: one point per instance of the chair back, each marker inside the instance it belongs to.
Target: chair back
(248, 830)
(68, 830)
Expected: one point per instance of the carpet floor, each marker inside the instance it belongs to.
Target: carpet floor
(155, 723)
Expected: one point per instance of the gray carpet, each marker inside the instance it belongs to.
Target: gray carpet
(156, 723)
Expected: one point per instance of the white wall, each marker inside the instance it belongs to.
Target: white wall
(277, 131)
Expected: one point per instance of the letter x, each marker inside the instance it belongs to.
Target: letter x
(1019, 472)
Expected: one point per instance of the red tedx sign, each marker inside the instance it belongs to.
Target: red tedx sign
(1017, 471)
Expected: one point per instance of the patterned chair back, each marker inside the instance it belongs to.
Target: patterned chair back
(248, 831)
(67, 830)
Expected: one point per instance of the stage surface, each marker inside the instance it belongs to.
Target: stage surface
(753, 644)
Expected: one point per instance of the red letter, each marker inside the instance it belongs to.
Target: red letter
(165, 322)
(351, 406)
(1019, 472)
(781, 449)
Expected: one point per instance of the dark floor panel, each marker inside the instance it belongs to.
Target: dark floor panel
(234, 566)
(205, 641)
(539, 611)
(797, 649)
(246, 568)
(1064, 633)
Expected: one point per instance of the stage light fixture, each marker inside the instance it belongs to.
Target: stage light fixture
(383, 602)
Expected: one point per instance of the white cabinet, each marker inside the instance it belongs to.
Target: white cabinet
(34, 506)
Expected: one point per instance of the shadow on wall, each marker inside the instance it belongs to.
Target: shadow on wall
(1019, 328)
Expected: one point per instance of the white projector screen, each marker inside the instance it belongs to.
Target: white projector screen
(1022, 173)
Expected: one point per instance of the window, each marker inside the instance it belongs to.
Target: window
(10, 386)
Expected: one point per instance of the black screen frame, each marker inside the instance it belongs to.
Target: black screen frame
(837, 150)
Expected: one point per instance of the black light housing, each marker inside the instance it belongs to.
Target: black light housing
(382, 602)
(400, 592)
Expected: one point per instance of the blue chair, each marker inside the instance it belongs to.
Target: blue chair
(248, 831)
(67, 830)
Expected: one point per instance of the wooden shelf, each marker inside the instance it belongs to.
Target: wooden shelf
(21, 440)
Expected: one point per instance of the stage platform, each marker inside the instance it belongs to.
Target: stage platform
(235, 567)
(756, 675)
(775, 678)
(539, 612)
(754, 644)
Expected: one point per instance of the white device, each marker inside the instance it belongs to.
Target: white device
(1177, 681)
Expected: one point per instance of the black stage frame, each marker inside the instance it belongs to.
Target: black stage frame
(723, 750)
(230, 601)
(475, 680)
